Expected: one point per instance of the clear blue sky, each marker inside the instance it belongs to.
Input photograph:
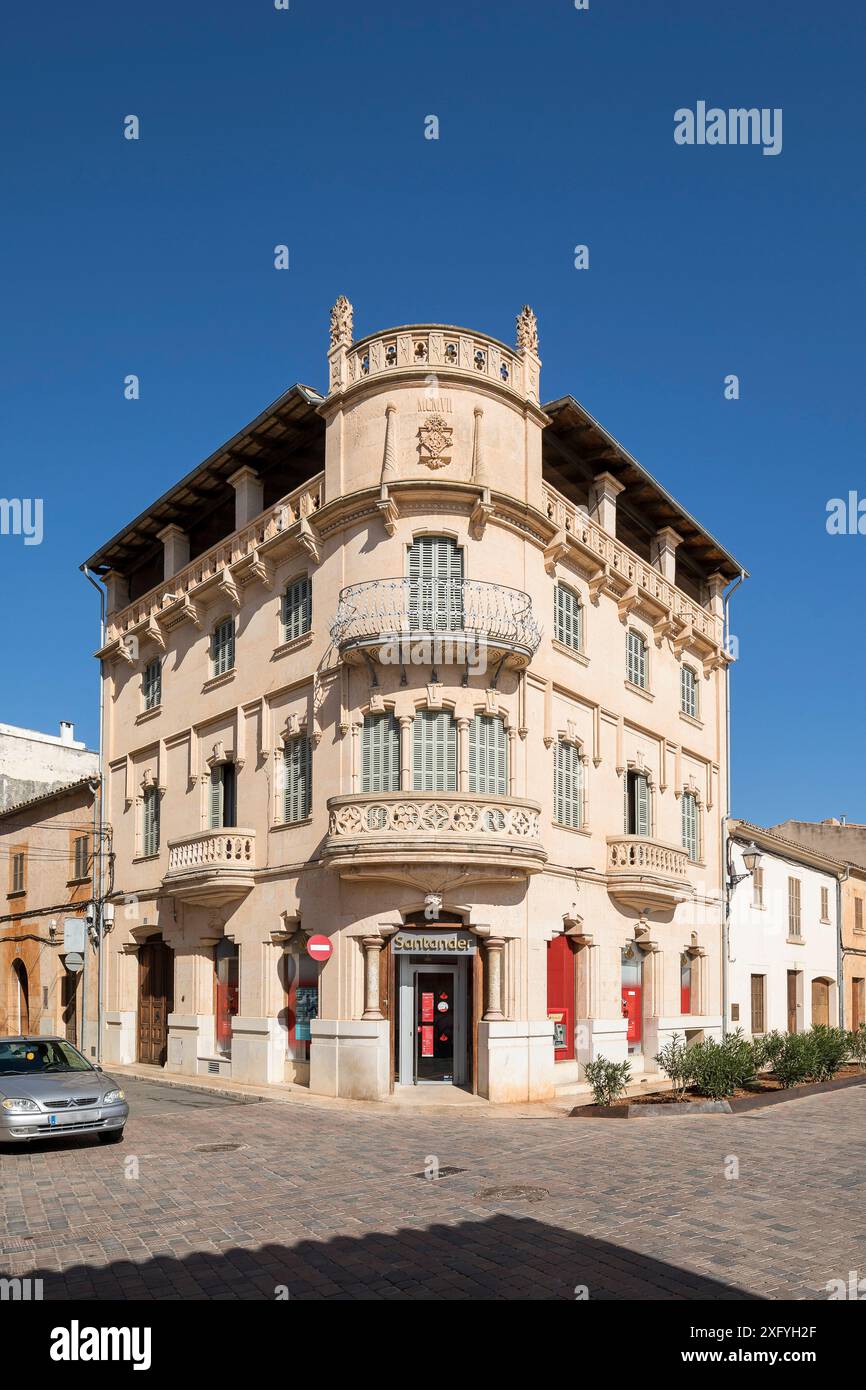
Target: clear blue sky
(556, 128)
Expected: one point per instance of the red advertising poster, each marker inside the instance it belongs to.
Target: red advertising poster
(426, 1008)
(427, 1040)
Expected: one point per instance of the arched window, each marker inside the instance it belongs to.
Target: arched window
(488, 756)
(568, 618)
(567, 785)
(689, 692)
(380, 754)
(434, 748)
(691, 828)
(636, 659)
(435, 585)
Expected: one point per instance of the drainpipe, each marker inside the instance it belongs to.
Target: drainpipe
(840, 954)
(99, 837)
(726, 814)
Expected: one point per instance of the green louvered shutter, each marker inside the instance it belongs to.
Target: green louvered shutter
(434, 738)
(380, 754)
(568, 785)
(297, 778)
(435, 588)
(641, 805)
(568, 618)
(216, 797)
(690, 825)
(151, 820)
(488, 756)
(297, 608)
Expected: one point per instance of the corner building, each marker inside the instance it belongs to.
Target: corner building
(436, 672)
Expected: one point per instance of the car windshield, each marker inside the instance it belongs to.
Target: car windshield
(27, 1058)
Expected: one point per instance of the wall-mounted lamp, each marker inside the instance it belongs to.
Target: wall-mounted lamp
(751, 859)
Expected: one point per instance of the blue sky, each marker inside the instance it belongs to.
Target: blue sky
(306, 128)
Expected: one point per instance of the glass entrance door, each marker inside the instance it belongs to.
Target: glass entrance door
(434, 1025)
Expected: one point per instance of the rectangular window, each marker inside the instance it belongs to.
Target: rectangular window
(380, 754)
(688, 692)
(568, 786)
(691, 838)
(223, 647)
(758, 1024)
(18, 871)
(81, 857)
(858, 1002)
(488, 756)
(151, 684)
(794, 919)
(223, 796)
(298, 793)
(434, 738)
(302, 1002)
(150, 821)
(858, 914)
(568, 618)
(297, 608)
(757, 887)
(636, 660)
(638, 819)
(825, 904)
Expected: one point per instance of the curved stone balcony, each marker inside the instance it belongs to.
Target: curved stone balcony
(389, 620)
(377, 832)
(212, 866)
(647, 873)
(419, 349)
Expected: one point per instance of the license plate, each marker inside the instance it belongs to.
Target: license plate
(52, 1119)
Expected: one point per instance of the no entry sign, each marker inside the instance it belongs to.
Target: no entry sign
(319, 947)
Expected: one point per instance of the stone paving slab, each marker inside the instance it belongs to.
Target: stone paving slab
(326, 1203)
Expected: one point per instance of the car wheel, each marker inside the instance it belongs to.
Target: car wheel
(110, 1136)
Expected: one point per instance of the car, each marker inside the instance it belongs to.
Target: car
(49, 1090)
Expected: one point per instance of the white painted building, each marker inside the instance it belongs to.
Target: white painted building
(33, 764)
(783, 953)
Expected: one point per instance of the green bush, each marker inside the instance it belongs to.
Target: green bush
(607, 1079)
(714, 1069)
(857, 1044)
(795, 1062)
(768, 1049)
(673, 1060)
(743, 1062)
(829, 1049)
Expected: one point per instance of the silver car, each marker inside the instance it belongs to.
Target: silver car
(48, 1090)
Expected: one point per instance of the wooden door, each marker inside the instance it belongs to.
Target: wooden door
(155, 1001)
(820, 1003)
(858, 1002)
(792, 1001)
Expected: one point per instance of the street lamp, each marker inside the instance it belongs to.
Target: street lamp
(751, 859)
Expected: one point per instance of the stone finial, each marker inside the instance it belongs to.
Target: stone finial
(527, 329)
(341, 323)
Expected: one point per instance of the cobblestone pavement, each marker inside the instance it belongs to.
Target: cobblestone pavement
(230, 1201)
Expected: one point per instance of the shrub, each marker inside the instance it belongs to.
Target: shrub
(714, 1069)
(608, 1079)
(743, 1063)
(829, 1049)
(857, 1044)
(795, 1061)
(674, 1062)
(768, 1049)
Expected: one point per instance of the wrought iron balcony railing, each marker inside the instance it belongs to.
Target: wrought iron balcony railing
(387, 614)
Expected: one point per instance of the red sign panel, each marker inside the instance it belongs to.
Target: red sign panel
(631, 1008)
(319, 947)
(427, 1040)
(426, 1008)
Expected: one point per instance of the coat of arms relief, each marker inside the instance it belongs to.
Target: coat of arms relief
(436, 441)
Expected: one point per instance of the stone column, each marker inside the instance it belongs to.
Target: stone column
(372, 946)
(605, 492)
(494, 947)
(406, 722)
(512, 761)
(664, 552)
